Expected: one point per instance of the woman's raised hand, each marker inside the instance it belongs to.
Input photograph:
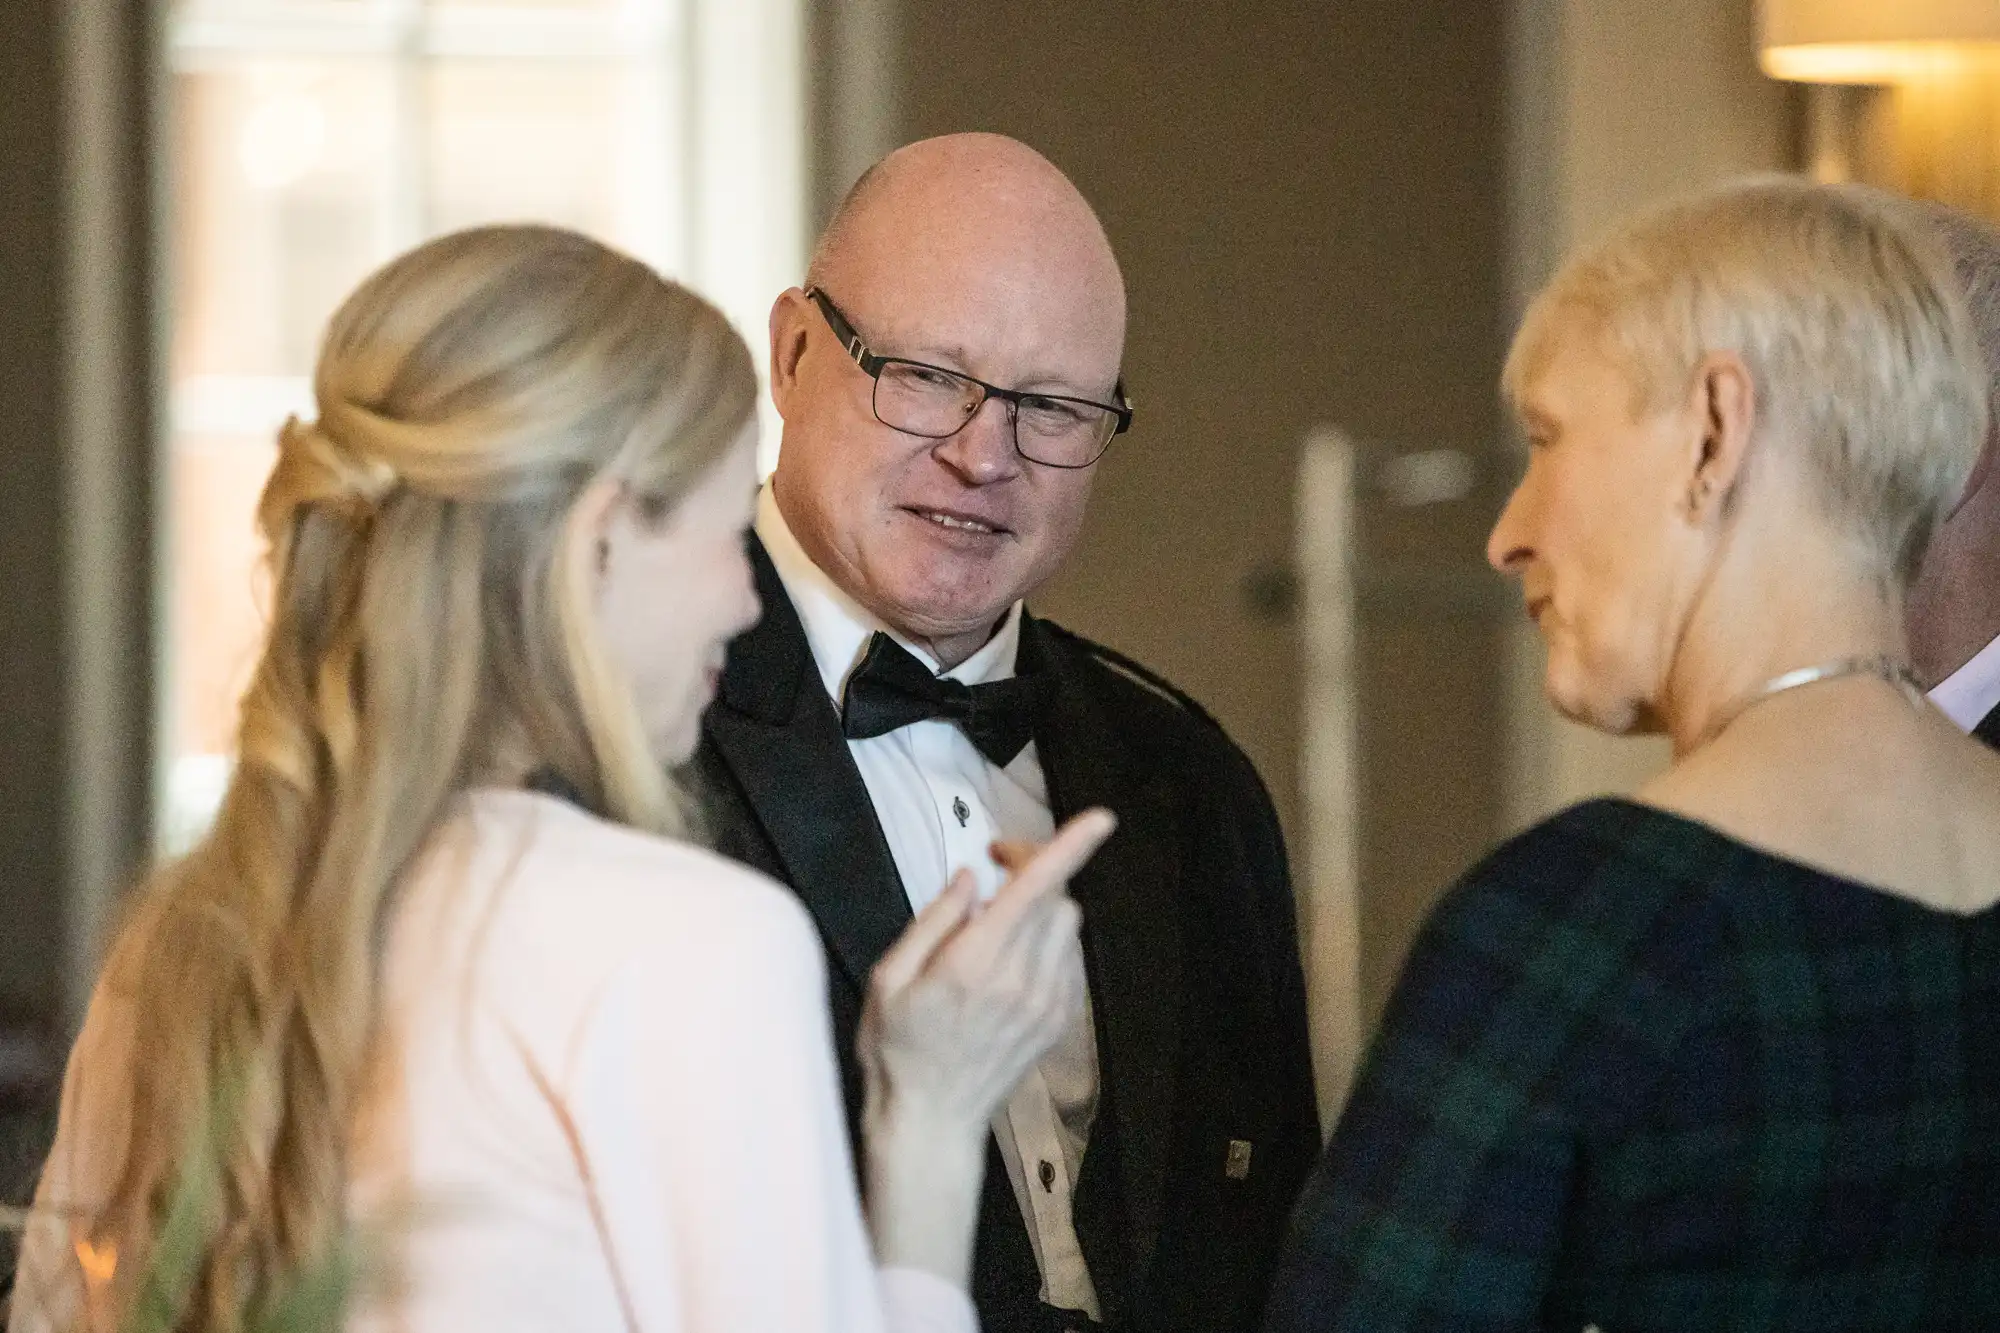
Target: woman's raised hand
(957, 1012)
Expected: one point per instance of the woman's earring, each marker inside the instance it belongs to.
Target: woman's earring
(603, 555)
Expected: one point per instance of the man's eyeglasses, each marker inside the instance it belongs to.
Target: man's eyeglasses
(935, 403)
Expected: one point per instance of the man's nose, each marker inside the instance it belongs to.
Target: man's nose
(982, 452)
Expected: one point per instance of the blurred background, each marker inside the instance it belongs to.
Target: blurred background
(1329, 216)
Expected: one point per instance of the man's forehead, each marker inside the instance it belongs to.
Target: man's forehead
(990, 257)
(972, 305)
(1030, 338)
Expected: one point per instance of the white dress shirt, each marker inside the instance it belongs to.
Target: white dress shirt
(1968, 694)
(942, 805)
(603, 1100)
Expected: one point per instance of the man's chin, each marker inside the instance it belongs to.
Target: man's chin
(925, 615)
(939, 589)
(933, 623)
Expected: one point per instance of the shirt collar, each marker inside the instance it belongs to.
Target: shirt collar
(1968, 694)
(838, 627)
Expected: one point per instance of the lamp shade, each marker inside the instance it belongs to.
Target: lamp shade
(1870, 41)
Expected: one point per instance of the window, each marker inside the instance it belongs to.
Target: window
(311, 140)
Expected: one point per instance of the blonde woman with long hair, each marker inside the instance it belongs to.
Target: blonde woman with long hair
(429, 978)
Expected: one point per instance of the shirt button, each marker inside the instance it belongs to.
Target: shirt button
(1048, 1174)
(961, 809)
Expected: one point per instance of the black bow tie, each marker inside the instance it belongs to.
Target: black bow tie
(892, 689)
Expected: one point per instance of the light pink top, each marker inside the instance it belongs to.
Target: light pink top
(606, 1100)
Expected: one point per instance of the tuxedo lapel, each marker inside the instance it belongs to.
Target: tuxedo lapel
(1131, 936)
(1988, 729)
(779, 734)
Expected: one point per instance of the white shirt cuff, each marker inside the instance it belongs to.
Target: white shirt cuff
(914, 1301)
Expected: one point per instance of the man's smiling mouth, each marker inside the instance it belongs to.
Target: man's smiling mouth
(956, 522)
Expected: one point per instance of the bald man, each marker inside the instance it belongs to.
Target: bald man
(1954, 605)
(949, 377)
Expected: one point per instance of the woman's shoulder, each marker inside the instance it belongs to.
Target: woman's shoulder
(565, 882)
(1603, 890)
(1590, 942)
(1605, 845)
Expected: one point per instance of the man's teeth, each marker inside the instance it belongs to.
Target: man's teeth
(961, 524)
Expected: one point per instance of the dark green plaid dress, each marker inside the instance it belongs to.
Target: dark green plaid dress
(1641, 1076)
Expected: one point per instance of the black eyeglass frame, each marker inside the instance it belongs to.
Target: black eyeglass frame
(873, 363)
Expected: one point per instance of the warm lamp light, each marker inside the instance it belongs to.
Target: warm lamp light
(1872, 41)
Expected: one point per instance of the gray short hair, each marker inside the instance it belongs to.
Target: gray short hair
(1846, 311)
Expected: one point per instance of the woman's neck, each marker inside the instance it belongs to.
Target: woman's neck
(1747, 632)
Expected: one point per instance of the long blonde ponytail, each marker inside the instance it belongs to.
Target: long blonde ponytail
(425, 631)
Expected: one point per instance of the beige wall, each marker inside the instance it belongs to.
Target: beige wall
(1618, 103)
(1935, 136)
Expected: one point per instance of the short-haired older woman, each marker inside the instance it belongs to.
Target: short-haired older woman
(450, 942)
(1726, 1056)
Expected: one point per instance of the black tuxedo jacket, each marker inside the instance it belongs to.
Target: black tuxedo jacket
(1988, 729)
(1189, 945)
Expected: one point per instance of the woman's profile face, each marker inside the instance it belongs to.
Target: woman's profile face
(674, 589)
(1594, 533)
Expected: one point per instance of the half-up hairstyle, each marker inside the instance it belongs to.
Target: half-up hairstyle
(426, 628)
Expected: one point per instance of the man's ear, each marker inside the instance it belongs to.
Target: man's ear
(790, 318)
(1724, 407)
